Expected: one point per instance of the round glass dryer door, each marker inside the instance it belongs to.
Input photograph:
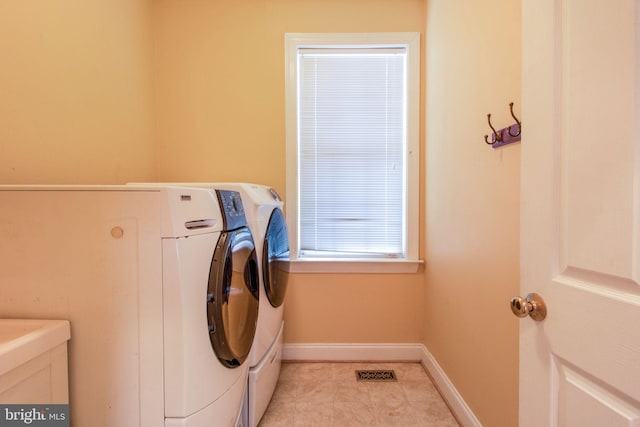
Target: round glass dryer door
(275, 259)
(232, 297)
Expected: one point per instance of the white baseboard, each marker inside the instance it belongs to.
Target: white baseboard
(458, 406)
(352, 352)
(387, 353)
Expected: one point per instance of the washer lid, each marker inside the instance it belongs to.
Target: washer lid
(275, 259)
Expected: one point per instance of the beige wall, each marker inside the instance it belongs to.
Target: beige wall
(75, 92)
(220, 117)
(473, 68)
(354, 308)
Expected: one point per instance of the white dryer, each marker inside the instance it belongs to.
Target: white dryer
(161, 290)
(263, 208)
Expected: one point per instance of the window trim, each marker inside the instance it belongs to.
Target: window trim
(411, 42)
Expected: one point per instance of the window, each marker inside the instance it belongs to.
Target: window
(352, 150)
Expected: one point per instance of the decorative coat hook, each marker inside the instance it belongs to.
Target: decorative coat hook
(495, 136)
(500, 137)
(518, 124)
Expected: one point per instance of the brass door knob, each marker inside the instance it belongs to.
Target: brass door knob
(533, 305)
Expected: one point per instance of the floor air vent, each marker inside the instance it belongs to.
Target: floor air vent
(377, 376)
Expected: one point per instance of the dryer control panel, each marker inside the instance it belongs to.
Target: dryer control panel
(232, 209)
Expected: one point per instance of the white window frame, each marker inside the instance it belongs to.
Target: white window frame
(408, 41)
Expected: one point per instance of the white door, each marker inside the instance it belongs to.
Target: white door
(580, 223)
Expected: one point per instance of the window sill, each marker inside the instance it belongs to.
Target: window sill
(354, 266)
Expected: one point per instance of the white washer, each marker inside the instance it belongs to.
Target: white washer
(263, 209)
(160, 288)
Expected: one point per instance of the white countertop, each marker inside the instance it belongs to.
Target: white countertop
(23, 339)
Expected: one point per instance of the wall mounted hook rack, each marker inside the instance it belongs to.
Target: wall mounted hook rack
(506, 135)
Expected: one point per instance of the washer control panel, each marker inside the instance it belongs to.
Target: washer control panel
(232, 209)
(274, 194)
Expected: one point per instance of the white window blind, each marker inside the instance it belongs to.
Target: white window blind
(352, 106)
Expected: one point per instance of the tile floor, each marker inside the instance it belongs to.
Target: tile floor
(328, 394)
